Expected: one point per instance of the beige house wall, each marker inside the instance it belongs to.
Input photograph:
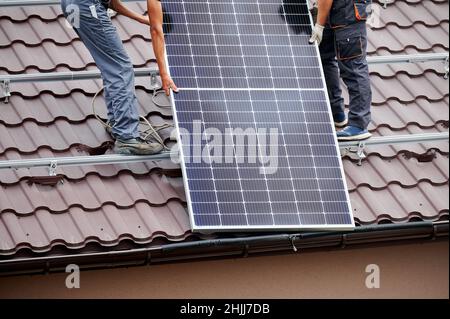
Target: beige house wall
(406, 271)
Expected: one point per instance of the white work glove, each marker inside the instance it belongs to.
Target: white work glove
(317, 34)
(313, 4)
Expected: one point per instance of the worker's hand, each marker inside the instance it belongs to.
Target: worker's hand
(168, 84)
(317, 34)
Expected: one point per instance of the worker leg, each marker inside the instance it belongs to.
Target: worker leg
(101, 39)
(351, 50)
(109, 105)
(331, 72)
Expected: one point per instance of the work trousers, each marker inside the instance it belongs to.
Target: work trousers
(344, 54)
(90, 20)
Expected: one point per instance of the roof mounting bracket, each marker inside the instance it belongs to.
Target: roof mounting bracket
(355, 152)
(386, 2)
(153, 81)
(5, 90)
(52, 168)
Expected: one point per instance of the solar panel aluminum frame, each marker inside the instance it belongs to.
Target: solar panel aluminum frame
(259, 228)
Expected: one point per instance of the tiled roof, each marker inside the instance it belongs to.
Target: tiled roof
(106, 205)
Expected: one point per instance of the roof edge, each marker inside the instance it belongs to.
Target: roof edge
(362, 236)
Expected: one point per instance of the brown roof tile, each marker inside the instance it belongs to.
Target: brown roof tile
(395, 115)
(59, 135)
(90, 193)
(396, 40)
(406, 88)
(48, 55)
(46, 107)
(77, 173)
(404, 170)
(400, 204)
(108, 225)
(145, 201)
(402, 14)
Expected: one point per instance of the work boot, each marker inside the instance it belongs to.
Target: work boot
(136, 146)
(353, 133)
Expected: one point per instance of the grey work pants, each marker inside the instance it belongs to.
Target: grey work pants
(99, 35)
(344, 54)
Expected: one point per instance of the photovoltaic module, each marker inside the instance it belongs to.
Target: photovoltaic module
(256, 136)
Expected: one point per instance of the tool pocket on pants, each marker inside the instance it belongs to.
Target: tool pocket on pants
(100, 14)
(349, 48)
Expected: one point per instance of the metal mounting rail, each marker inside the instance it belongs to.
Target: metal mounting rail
(55, 162)
(141, 72)
(95, 74)
(69, 76)
(408, 58)
(399, 139)
(14, 3)
(7, 79)
(356, 149)
(83, 160)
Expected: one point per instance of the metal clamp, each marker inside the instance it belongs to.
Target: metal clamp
(52, 168)
(5, 90)
(386, 2)
(355, 152)
(154, 81)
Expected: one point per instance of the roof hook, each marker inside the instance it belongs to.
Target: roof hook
(52, 168)
(385, 3)
(5, 90)
(360, 152)
(154, 82)
(355, 152)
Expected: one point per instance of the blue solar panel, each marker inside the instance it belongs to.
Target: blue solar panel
(257, 141)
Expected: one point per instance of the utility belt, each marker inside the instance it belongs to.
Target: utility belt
(347, 12)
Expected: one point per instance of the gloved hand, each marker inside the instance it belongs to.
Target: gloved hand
(317, 34)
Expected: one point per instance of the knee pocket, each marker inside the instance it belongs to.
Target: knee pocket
(349, 48)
